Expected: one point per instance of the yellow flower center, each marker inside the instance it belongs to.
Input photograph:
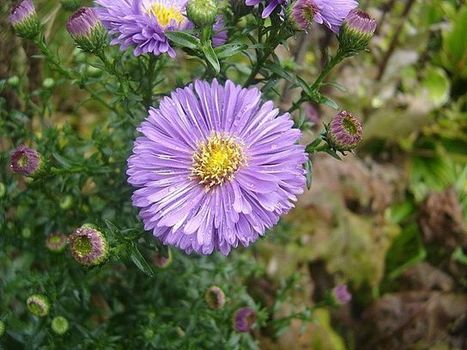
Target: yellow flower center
(165, 14)
(217, 159)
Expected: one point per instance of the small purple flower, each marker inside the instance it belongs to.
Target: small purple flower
(56, 242)
(215, 298)
(25, 161)
(142, 23)
(356, 32)
(86, 29)
(341, 294)
(83, 22)
(244, 319)
(269, 8)
(88, 246)
(215, 167)
(331, 13)
(359, 21)
(344, 132)
(220, 35)
(23, 11)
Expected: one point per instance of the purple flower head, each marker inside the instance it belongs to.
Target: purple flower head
(345, 132)
(38, 305)
(21, 12)
(356, 32)
(215, 167)
(88, 246)
(220, 35)
(331, 13)
(215, 298)
(56, 242)
(25, 161)
(83, 22)
(244, 319)
(142, 23)
(341, 294)
(269, 7)
(360, 22)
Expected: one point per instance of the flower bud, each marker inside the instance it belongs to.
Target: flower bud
(162, 261)
(24, 20)
(87, 30)
(25, 161)
(38, 305)
(70, 5)
(356, 31)
(219, 32)
(301, 13)
(341, 295)
(215, 298)
(244, 319)
(345, 132)
(202, 12)
(56, 242)
(60, 325)
(13, 81)
(88, 246)
(2, 328)
(48, 83)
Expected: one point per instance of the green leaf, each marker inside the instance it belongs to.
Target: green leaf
(184, 39)
(211, 56)
(309, 173)
(328, 102)
(140, 261)
(406, 250)
(229, 50)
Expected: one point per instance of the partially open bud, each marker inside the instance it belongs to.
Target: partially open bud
(2, 328)
(162, 261)
(60, 325)
(219, 32)
(25, 161)
(87, 30)
(244, 319)
(356, 31)
(38, 305)
(202, 12)
(301, 13)
(56, 242)
(88, 246)
(345, 132)
(24, 19)
(215, 298)
(71, 5)
(341, 294)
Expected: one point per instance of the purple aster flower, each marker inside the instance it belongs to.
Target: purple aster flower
(86, 29)
(244, 319)
(21, 12)
(142, 23)
(341, 294)
(331, 13)
(25, 161)
(215, 167)
(271, 5)
(344, 132)
(357, 30)
(24, 19)
(220, 35)
(88, 246)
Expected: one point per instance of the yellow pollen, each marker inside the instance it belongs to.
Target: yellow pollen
(217, 160)
(165, 14)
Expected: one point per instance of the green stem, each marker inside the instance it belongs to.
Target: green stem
(327, 69)
(54, 61)
(147, 99)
